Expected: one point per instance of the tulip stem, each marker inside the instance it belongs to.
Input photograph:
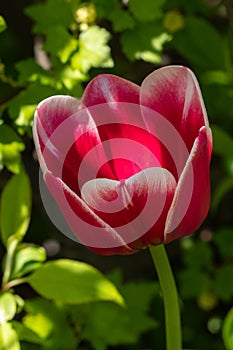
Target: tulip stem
(170, 297)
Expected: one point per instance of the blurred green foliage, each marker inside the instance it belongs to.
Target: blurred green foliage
(55, 47)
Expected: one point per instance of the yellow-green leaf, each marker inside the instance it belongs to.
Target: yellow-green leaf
(8, 337)
(73, 282)
(7, 307)
(15, 207)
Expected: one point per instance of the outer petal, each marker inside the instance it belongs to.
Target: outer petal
(64, 133)
(192, 198)
(50, 113)
(136, 207)
(110, 88)
(174, 92)
(84, 223)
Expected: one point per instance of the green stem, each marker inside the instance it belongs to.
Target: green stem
(170, 297)
(14, 283)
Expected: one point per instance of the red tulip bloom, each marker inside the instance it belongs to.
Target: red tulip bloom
(128, 165)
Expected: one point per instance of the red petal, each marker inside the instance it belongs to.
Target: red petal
(174, 92)
(136, 208)
(192, 198)
(63, 134)
(89, 229)
(127, 136)
(110, 88)
(52, 111)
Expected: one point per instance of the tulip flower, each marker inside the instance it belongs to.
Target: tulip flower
(152, 144)
(128, 166)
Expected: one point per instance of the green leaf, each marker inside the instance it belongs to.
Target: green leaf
(200, 43)
(60, 43)
(50, 14)
(19, 303)
(32, 95)
(71, 78)
(198, 255)
(15, 207)
(190, 7)
(146, 10)
(224, 289)
(72, 282)
(104, 8)
(26, 334)
(112, 10)
(48, 324)
(8, 337)
(26, 114)
(219, 77)
(93, 50)
(3, 25)
(144, 42)
(11, 147)
(29, 71)
(121, 20)
(224, 240)
(193, 282)
(223, 188)
(27, 259)
(223, 142)
(105, 323)
(216, 107)
(227, 331)
(108, 324)
(7, 307)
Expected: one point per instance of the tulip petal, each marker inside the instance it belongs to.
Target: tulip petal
(107, 88)
(113, 103)
(54, 110)
(122, 118)
(192, 197)
(136, 208)
(173, 91)
(64, 133)
(50, 113)
(89, 229)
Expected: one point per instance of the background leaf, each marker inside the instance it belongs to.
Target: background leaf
(223, 142)
(15, 207)
(73, 282)
(26, 334)
(93, 50)
(47, 323)
(227, 331)
(146, 10)
(144, 42)
(193, 282)
(200, 43)
(27, 259)
(7, 307)
(223, 238)
(11, 147)
(223, 288)
(105, 323)
(3, 24)
(8, 337)
(32, 95)
(60, 43)
(223, 188)
(49, 14)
